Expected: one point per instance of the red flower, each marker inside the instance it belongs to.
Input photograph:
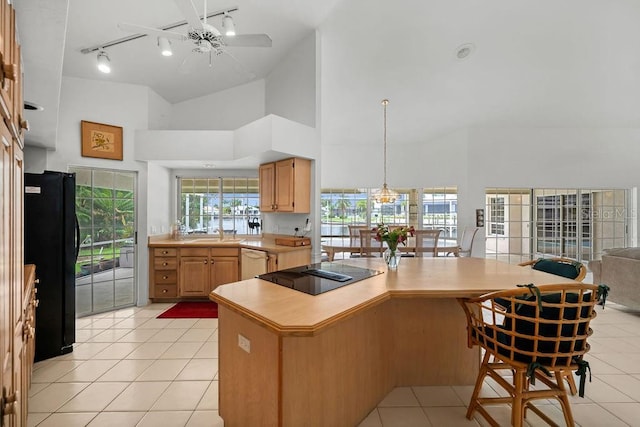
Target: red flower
(392, 236)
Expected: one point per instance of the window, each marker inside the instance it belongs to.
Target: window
(343, 207)
(211, 204)
(496, 216)
(574, 223)
(440, 211)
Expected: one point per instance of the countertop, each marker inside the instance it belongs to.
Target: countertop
(265, 243)
(290, 312)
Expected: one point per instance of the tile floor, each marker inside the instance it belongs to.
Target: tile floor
(131, 369)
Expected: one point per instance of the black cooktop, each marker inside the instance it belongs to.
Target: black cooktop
(317, 278)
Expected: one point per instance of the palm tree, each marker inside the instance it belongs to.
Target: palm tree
(343, 204)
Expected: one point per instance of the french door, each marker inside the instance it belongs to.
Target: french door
(106, 265)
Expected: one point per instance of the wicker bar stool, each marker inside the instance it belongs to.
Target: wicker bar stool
(535, 333)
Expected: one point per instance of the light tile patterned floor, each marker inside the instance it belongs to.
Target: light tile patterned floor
(131, 369)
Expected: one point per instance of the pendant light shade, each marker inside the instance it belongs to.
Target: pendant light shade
(104, 64)
(385, 195)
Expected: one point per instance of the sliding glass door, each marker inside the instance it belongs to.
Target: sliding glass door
(106, 264)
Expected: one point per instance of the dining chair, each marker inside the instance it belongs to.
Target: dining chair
(540, 333)
(354, 238)
(466, 243)
(564, 267)
(368, 243)
(426, 242)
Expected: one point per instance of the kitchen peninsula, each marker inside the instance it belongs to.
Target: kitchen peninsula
(289, 359)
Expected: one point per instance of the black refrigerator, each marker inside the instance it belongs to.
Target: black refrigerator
(51, 243)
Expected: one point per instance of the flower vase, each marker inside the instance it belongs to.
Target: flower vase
(392, 258)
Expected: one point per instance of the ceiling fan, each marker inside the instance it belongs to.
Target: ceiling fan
(205, 37)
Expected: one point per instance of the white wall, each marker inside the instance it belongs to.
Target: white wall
(115, 104)
(291, 86)
(225, 110)
(160, 111)
(160, 203)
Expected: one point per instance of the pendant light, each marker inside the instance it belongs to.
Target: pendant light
(385, 195)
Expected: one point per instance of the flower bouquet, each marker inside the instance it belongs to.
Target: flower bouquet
(392, 237)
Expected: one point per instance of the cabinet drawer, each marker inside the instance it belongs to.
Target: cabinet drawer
(164, 263)
(225, 252)
(165, 277)
(165, 291)
(165, 252)
(194, 252)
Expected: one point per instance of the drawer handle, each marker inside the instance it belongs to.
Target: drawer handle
(164, 291)
(165, 252)
(165, 263)
(165, 277)
(205, 261)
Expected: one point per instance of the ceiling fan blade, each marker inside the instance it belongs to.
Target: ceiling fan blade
(190, 13)
(187, 65)
(133, 28)
(247, 40)
(239, 66)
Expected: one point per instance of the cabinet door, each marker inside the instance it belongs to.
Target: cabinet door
(284, 188)
(267, 175)
(8, 68)
(223, 270)
(6, 317)
(194, 276)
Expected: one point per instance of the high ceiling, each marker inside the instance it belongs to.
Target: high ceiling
(537, 63)
(53, 30)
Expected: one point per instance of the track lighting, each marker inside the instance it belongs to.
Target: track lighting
(227, 24)
(165, 46)
(104, 64)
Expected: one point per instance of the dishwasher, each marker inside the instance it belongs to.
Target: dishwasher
(252, 263)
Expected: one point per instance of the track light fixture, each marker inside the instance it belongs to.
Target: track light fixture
(165, 46)
(228, 25)
(104, 64)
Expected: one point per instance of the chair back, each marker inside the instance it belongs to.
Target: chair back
(354, 236)
(548, 324)
(564, 267)
(368, 243)
(466, 243)
(426, 242)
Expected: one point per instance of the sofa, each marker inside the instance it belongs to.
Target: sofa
(620, 270)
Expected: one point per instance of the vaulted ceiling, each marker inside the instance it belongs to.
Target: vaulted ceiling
(543, 63)
(54, 32)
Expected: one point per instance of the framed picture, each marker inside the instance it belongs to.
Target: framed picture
(101, 141)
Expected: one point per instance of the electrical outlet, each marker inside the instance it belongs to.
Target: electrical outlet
(244, 343)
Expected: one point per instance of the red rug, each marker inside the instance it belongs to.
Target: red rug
(191, 309)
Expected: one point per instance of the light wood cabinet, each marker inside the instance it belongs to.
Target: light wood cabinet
(285, 186)
(163, 274)
(286, 260)
(176, 273)
(204, 269)
(16, 295)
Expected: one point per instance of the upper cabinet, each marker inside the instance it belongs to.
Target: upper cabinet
(285, 186)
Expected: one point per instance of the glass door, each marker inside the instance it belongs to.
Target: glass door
(106, 264)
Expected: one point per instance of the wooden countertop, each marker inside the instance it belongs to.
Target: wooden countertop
(289, 312)
(266, 243)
